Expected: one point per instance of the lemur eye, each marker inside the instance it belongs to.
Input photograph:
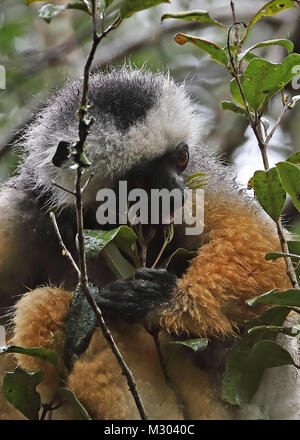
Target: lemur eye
(182, 159)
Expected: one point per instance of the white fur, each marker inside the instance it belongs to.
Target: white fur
(172, 119)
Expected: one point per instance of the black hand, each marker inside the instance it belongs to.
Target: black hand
(131, 300)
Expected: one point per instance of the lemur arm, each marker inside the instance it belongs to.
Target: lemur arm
(209, 299)
(230, 268)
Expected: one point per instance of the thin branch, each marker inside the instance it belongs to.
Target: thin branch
(277, 123)
(84, 127)
(289, 265)
(63, 188)
(237, 38)
(62, 245)
(87, 183)
(154, 332)
(111, 342)
(256, 127)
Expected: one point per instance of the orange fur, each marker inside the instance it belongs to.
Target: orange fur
(210, 301)
(38, 323)
(97, 380)
(230, 268)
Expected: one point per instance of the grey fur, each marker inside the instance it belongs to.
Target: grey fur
(160, 115)
(156, 115)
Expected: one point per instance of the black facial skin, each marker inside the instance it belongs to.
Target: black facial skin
(164, 172)
(133, 299)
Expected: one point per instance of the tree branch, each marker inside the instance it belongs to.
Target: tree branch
(84, 128)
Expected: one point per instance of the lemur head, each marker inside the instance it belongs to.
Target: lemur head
(140, 117)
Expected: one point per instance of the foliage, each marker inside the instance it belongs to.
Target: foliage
(19, 388)
(248, 358)
(255, 81)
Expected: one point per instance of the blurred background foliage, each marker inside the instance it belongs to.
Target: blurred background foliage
(39, 57)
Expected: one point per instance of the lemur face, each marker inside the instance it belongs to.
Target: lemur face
(164, 174)
(143, 122)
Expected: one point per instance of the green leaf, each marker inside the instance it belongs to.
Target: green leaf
(269, 9)
(107, 243)
(250, 56)
(294, 247)
(84, 161)
(196, 180)
(264, 354)
(263, 79)
(234, 51)
(275, 255)
(240, 382)
(294, 158)
(36, 352)
(64, 395)
(268, 354)
(290, 331)
(215, 51)
(250, 184)
(47, 12)
(269, 192)
(30, 2)
(227, 105)
(79, 326)
(108, 3)
(235, 92)
(196, 345)
(130, 7)
(82, 6)
(19, 388)
(117, 263)
(199, 16)
(96, 240)
(289, 175)
(193, 177)
(289, 45)
(289, 298)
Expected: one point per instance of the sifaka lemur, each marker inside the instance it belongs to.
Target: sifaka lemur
(146, 131)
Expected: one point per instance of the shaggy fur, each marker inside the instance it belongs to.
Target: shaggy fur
(159, 126)
(209, 298)
(96, 378)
